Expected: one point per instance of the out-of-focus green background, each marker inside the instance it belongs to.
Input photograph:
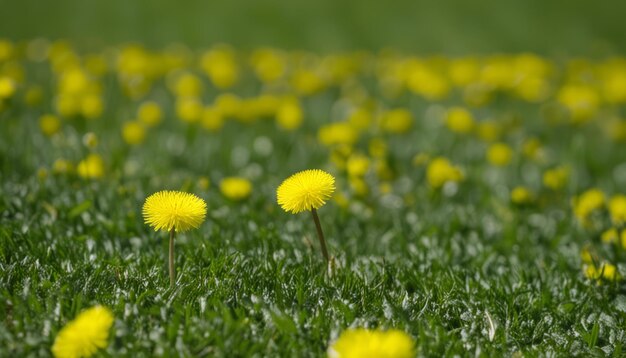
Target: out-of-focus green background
(568, 27)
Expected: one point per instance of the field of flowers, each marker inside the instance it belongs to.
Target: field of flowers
(471, 205)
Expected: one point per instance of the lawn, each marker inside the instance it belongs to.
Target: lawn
(478, 205)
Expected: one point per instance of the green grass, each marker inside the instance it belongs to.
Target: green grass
(249, 284)
(562, 27)
(466, 274)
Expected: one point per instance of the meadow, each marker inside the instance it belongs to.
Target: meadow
(479, 203)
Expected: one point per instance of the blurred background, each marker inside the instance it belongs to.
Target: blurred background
(454, 27)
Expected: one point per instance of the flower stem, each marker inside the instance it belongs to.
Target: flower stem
(320, 234)
(172, 269)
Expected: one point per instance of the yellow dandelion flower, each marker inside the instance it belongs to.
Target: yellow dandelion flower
(617, 208)
(441, 171)
(83, 336)
(397, 121)
(91, 106)
(91, 167)
(337, 133)
(587, 203)
(606, 271)
(289, 115)
(212, 119)
(62, 166)
(357, 165)
(586, 255)
(7, 87)
(459, 120)
(306, 190)
(521, 195)
(189, 109)
(609, 236)
(499, 154)
(49, 124)
(235, 188)
(150, 113)
(174, 210)
(488, 131)
(556, 178)
(133, 132)
(362, 343)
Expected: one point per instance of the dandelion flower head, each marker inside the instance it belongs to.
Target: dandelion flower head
(83, 336)
(305, 190)
(167, 210)
(362, 343)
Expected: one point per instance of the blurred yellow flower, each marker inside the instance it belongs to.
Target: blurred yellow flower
(220, 66)
(149, 113)
(235, 188)
(67, 106)
(521, 195)
(420, 159)
(588, 202)
(269, 65)
(189, 109)
(364, 343)
(91, 106)
(360, 118)
(358, 186)
(62, 166)
(91, 167)
(307, 82)
(305, 190)
(397, 121)
(463, 71)
(609, 236)
(459, 120)
(499, 154)
(617, 209)
(582, 101)
(441, 171)
(49, 124)
(606, 271)
(377, 148)
(83, 336)
(556, 178)
(532, 148)
(212, 119)
(586, 256)
(424, 80)
(488, 131)
(290, 114)
(174, 210)
(337, 133)
(90, 140)
(187, 85)
(357, 165)
(133, 133)
(7, 87)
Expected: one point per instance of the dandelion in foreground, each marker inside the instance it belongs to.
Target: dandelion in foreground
(363, 343)
(83, 336)
(173, 211)
(307, 190)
